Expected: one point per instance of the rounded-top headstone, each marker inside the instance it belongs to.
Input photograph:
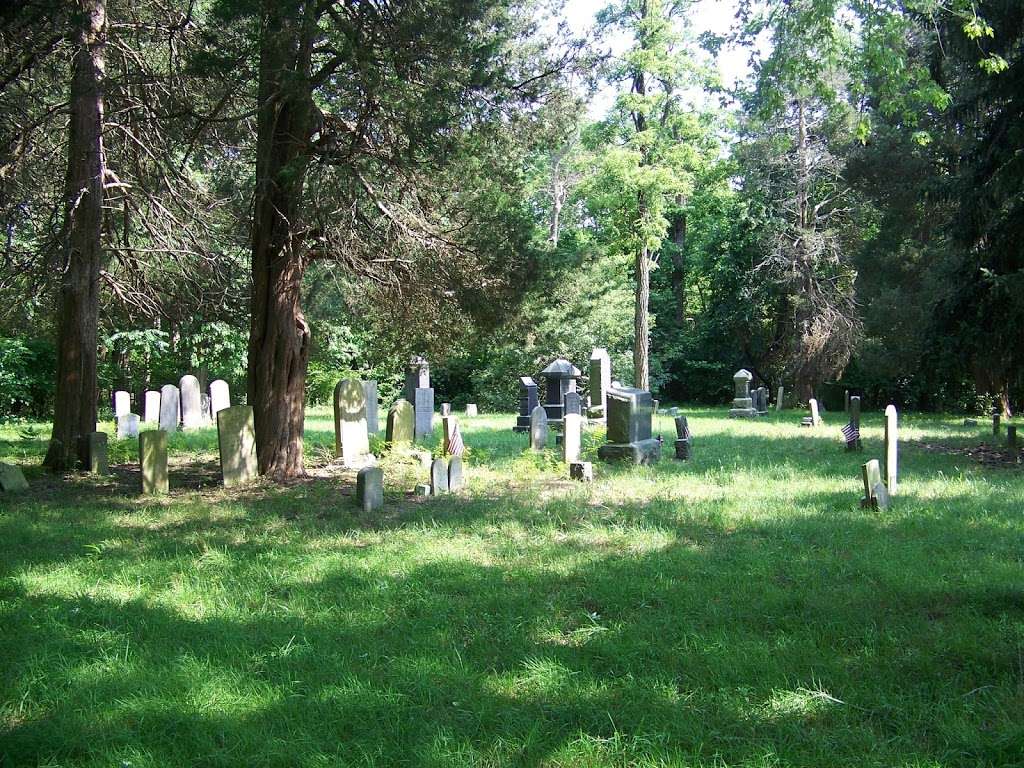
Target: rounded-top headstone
(439, 476)
(401, 423)
(191, 402)
(538, 428)
(455, 477)
(220, 396)
(370, 488)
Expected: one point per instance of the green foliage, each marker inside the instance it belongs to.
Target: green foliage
(27, 370)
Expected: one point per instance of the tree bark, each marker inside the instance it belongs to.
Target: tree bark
(279, 335)
(641, 321)
(76, 390)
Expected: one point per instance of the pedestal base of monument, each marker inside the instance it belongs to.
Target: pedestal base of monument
(522, 424)
(640, 452)
(683, 449)
(742, 413)
(595, 413)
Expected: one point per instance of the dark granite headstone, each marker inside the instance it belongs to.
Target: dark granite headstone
(528, 400)
(559, 378)
(629, 427)
(417, 376)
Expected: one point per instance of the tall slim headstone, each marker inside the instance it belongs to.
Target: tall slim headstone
(1011, 437)
(528, 400)
(538, 428)
(847, 401)
(151, 415)
(424, 412)
(778, 398)
(236, 438)
(169, 408)
(372, 406)
(814, 420)
(891, 449)
(191, 402)
(351, 441)
(220, 396)
(122, 403)
(600, 382)
(455, 476)
(995, 423)
(205, 409)
(683, 438)
(572, 437)
(153, 460)
(401, 425)
(742, 404)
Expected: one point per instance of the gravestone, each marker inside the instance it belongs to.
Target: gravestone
(559, 379)
(472, 410)
(629, 415)
(151, 415)
(12, 479)
(778, 398)
(742, 404)
(600, 382)
(814, 420)
(438, 477)
(875, 493)
(122, 403)
(854, 410)
(762, 401)
(424, 412)
(683, 438)
(191, 402)
(92, 451)
(351, 441)
(455, 478)
(236, 437)
(528, 400)
(573, 403)
(205, 408)
(417, 376)
(891, 449)
(370, 488)
(572, 437)
(400, 424)
(538, 428)
(1011, 437)
(582, 471)
(422, 489)
(995, 423)
(446, 409)
(847, 401)
(153, 461)
(451, 438)
(220, 397)
(127, 425)
(169, 408)
(372, 406)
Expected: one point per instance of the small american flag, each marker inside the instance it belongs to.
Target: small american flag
(455, 444)
(851, 433)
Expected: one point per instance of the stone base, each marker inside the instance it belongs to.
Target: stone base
(522, 424)
(742, 413)
(595, 413)
(582, 471)
(640, 452)
(683, 449)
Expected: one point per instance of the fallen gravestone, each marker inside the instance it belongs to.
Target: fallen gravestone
(236, 437)
(742, 404)
(191, 402)
(629, 415)
(891, 449)
(92, 452)
(455, 477)
(400, 428)
(12, 479)
(153, 460)
(169, 408)
(370, 489)
(438, 477)
(538, 428)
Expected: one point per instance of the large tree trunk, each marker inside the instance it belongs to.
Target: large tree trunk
(76, 391)
(279, 335)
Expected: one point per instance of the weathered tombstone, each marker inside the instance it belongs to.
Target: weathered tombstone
(875, 493)
(92, 451)
(122, 403)
(220, 396)
(582, 471)
(127, 425)
(629, 427)
(422, 489)
(572, 437)
(742, 404)
(559, 379)
(538, 428)
(683, 438)
(1011, 437)
(236, 437)
(417, 376)
(853, 407)
(191, 402)
(151, 415)
(455, 478)
(153, 461)
(370, 489)
(438, 477)
(778, 398)
(814, 420)
(206, 408)
(762, 401)
(169, 408)
(528, 400)
(847, 401)
(995, 423)
(351, 441)
(400, 424)
(446, 409)
(600, 382)
(12, 479)
(472, 410)
(424, 412)
(372, 406)
(573, 403)
(891, 449)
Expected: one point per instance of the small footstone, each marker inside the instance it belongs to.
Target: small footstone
(153, 458)
(370, 488)
(93, 453)
(471, 409)
(12, 479)
(422, 489)
(582, 471)
(455, 481)
(439, 477)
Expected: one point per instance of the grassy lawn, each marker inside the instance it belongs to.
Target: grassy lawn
(736, 610)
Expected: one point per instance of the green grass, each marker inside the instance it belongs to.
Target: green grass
(736, 610)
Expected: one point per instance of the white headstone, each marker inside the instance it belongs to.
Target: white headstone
(220, 396)
(151, 414)
(191, 402)
(572, 432)
(891, 448)
(127, 425)
(122, 403)
(169, 408)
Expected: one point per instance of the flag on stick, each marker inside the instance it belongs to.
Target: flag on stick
(851, 433)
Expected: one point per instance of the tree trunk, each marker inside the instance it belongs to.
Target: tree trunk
(279, 334)
(76, 391)
(641, 321)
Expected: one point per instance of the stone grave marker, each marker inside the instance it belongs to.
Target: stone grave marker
(582, 471)
(191, 402)
(12, 479)
(151, 414)
(122, 403)
(572, 437)
(629, 415)
(153, 461)
(220, 396)
(351, 440)
(455, 476)
(92, 451)
(528, 400)
(995, 423)
(400, 425)
(127, 425)
(236, 437)
(169, 408)
(875, 493)
(424, 412)
(600, 382)
(1011, 437)
(742, 404)
(814, 420)
(683, 438)
(372, 406)
(438, 476)
(538, 428)
(778, 398)
(370, 489)
(472, 410)
(446, 409)
(559, 379)
(970, 422)
(847, 401)
(891, 449)
(422, 489)
(417, 376)
(573, 403)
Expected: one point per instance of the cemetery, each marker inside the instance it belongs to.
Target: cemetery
(509, 384)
